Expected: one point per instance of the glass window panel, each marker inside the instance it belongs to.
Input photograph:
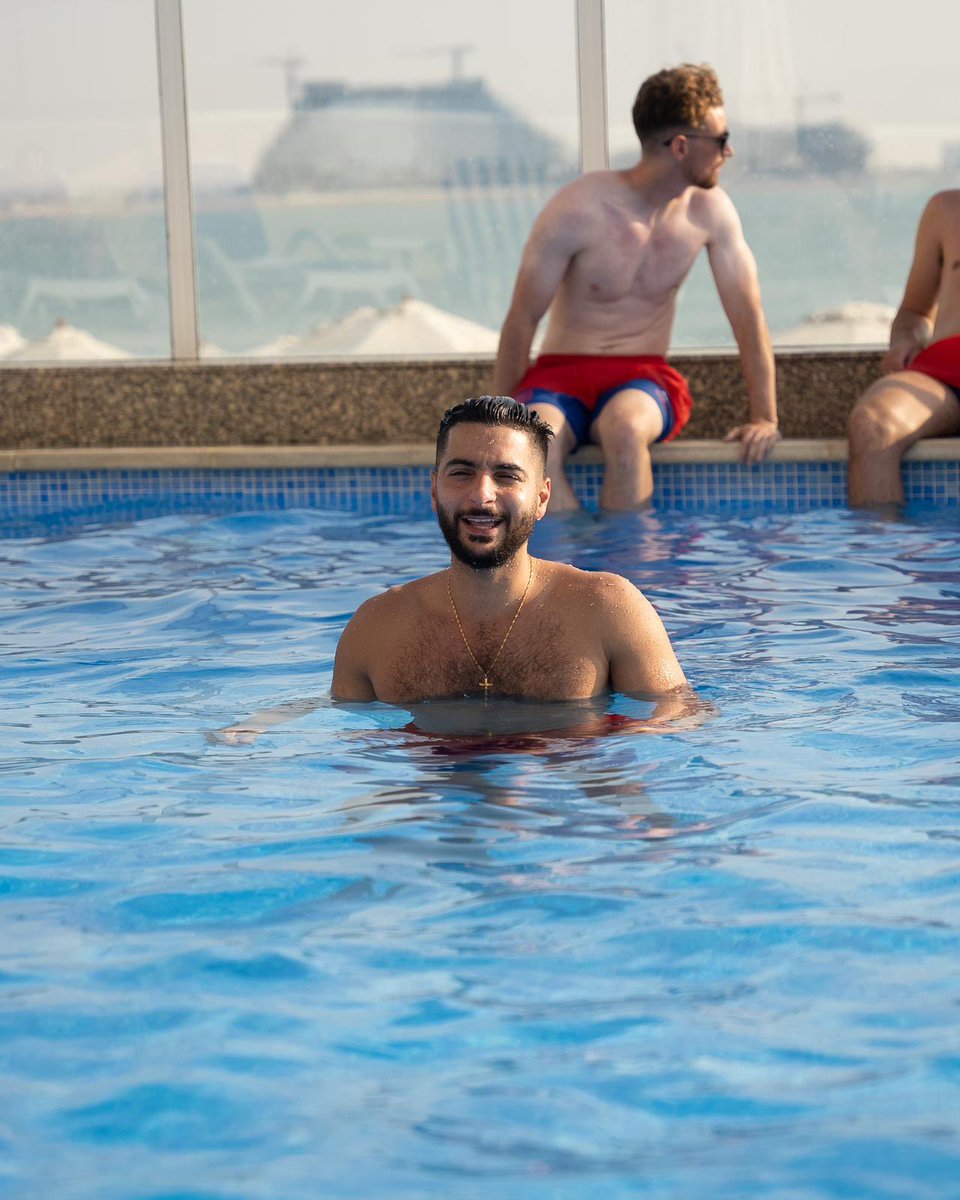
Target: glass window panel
(82, 240)
(348, 156)
(843, 125)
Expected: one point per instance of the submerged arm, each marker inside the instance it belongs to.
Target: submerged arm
(250, 728)
(679, 709)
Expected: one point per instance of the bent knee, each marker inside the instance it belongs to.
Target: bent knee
(627, 432)
(564, 440)
(879, 422)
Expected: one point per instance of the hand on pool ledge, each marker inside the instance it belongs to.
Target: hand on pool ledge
(756, 439)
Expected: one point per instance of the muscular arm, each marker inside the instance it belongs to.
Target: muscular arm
(639, 654)
(735, 274)
(351, 680)
(556, 237)
(913, 324)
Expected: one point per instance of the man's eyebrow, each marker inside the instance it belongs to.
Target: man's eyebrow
(472, 462)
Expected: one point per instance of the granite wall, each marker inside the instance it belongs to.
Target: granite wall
(333, 403)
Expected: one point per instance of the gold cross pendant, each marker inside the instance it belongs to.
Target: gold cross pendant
(486, 685)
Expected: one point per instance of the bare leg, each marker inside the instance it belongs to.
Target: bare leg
(562, 443)
(630, 422)
(889, 417)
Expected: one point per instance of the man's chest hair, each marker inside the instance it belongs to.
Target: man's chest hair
(537, 662)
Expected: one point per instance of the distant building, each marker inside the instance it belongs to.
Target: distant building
(828, 149)
(833, 149)
(764, 150)
(341, 136)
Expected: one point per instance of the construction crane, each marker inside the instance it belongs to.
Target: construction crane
(455, 51)
(291, 64)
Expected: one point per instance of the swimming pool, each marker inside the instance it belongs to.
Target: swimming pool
(352, 959)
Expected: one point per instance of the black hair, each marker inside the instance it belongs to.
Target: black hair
(495, 410)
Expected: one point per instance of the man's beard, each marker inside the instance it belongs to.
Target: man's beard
(707, 181)
(515, 538)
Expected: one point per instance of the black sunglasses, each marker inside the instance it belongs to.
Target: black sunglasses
(722, 139)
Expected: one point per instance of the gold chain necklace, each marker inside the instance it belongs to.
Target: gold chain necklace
(485, 672)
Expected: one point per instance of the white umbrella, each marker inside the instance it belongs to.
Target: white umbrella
(410, 327)
(10, 340)
(287, 343)
(859, 322)
(66, 344)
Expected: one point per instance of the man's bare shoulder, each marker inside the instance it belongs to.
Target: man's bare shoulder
(943, 210)
(594, 184)
(713, 209)
(949, 199)
(398, 604)
(602, 589)
(582, 200)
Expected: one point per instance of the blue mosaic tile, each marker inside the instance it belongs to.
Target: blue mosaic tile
(399, 490)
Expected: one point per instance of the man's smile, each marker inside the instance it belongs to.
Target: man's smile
(480, 523)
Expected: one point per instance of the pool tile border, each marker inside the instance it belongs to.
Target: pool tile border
(382, 480)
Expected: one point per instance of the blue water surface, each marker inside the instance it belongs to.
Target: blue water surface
(350, 959)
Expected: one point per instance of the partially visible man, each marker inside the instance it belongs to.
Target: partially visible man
(497, 621)
(607, 256)
(919, 395)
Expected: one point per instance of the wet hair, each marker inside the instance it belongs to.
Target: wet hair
(495, 410)
(678, 96)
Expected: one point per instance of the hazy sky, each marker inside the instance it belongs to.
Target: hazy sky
(78, 77)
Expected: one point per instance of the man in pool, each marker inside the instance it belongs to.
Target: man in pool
(607, 256)
(497, 621)
(919, 394)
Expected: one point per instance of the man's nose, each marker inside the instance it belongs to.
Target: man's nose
(728, 150)
(484, 488)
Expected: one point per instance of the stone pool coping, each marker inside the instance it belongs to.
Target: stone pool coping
(413, 454)
(313, 403)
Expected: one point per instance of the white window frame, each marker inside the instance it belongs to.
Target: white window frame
(175, 138)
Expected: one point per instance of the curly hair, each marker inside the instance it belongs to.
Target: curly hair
(676, 96)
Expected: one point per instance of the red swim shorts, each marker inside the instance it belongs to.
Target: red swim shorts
(940, 361)
(581, 384)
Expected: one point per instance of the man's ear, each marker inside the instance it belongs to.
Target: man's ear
(544, 496)
(433, 488)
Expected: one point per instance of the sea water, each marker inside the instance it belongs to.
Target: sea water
(355, 958)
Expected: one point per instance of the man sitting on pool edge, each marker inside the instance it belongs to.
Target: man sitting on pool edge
(497, 621)
(919, 394)
(607, 258)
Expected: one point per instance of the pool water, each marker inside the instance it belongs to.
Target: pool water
(352, 958)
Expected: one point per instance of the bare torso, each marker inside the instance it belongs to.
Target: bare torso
(619, 293)
(947, 323)
(549, 654)
(406, 642)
